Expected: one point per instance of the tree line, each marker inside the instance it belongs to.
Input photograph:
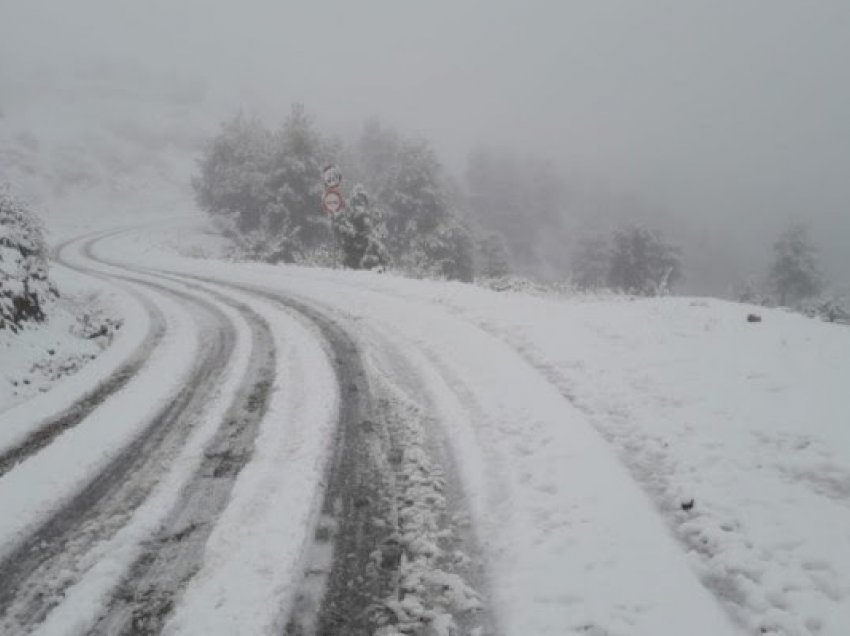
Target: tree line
(507, 215)
(262, 187)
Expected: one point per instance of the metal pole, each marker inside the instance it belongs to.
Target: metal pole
(335, 246)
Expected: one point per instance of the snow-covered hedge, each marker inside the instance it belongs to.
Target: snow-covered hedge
(25, 288)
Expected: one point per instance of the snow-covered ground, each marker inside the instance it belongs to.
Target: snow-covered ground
(633, 466)
(80, 325)
(626, 466)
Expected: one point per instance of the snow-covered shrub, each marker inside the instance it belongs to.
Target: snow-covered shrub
(447, 252)
(493, 256)
(25, 289)
(750, 291)
(794, 274)
(232, 183)
(642, 262)
(359, 232)
(830, 309)
(514, 283)
(264, 182)
(591, 262)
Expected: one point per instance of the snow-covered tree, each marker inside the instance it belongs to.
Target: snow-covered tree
(232, 184)
(521, 198)
(829, 308)
(446, 252)
(413, 194)
(493, 257)
(263, 189)
(25, 289)
(359, 232)
(794, 274)
(424, 231)
(642, 262)
(376, 153)
(298, 157)
(749, 290)
(274, 240)
(591, 262)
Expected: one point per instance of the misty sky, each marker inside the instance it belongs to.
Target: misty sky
(724, 111)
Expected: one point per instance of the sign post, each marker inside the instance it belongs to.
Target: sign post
(332, 201)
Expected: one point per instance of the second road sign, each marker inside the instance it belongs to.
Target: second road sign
(333, 202)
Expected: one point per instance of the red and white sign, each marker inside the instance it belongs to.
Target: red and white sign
(333, 202)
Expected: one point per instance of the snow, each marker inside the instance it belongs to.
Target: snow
(646, 405)
(110, 560)
(41, 484)
(27, 356)
(569, 536)
(631, 466)
(253, 557)
(582, 428)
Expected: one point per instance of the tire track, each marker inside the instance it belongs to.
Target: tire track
(385, 549)
(387, 530)
(53, 427)
(387, 556)
(31, 584)
(149, 591)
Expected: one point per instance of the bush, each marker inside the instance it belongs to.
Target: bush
(25, 289)
(359, 233)
(828, 309)
(794, 274)
(446, 253)
(493, 256)
(591, 263)
(642, 262)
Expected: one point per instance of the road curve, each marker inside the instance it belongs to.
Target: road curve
(56, 552)
(532, 467)
(382, 500)
(390, 494)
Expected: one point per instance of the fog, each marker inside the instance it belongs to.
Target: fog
(721, 120)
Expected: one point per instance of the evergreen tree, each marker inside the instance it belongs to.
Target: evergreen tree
(413, 195)
(642, 262)
(423, 231)
(232, 185)
(493, 256)
(297, 160)
(377, 152)
(447, 252)
(794, 274)
(359, 233)
(591, 263)
(521, 198)
(264, 189)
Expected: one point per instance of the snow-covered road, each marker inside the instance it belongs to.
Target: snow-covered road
(289, 450)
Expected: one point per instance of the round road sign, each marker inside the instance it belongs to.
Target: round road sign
(331, 177)
(333, 202)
